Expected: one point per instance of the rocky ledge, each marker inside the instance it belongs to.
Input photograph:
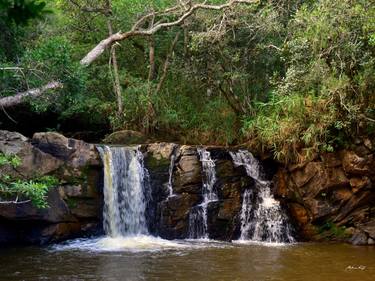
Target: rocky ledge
(74, 205)
(331, 197)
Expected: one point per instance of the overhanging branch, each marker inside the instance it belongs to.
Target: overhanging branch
(136, 31)
(32, 93)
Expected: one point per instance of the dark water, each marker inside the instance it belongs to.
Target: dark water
(198, 261)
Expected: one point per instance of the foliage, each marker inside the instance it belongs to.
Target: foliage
(291, 77)
(331, 230)
(326, 93)
(21, 11)
(12, 160)
(34, 190)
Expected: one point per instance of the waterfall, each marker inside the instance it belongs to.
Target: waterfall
(170, 172)
(198, 228)
(262, 218)
(124, 212)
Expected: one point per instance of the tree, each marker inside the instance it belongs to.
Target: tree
(180, 13)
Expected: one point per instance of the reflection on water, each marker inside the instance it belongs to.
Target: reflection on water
(146, 258)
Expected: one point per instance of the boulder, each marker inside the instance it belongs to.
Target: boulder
(161, 150)
(188, 170)
(359, 238)
(34, 162)
(75, 153)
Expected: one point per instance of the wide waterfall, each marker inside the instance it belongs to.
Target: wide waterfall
(198, 227)
(125, 191)
(262, 218)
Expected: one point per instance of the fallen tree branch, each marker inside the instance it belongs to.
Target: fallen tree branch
(32, 93)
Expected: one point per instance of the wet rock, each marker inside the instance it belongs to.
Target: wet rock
(359, 238)
(188, 171)
(174, 215)
(57, 232)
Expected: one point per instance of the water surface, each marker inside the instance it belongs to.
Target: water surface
(155, 259)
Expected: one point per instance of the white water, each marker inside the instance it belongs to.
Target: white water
(170, 178)
(262, 218)
(198, 227)
(125, 200)
(124, 211)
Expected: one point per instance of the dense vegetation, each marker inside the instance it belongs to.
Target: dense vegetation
(290, 77)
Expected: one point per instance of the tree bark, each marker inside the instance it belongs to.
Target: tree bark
(116, 78)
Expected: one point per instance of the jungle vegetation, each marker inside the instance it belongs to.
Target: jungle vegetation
(290, 77)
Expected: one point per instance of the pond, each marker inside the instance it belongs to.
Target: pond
(147, 258)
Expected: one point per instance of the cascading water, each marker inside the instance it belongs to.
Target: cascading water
(198, 228)
(125, 203)
(262, 218)
(171, 167)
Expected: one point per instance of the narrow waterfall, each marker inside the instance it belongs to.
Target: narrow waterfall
(198, 228)
(171, 167)
(124, 212)
(170, 183)
(262, 218)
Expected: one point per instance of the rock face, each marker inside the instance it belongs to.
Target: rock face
(332, 197)
(171, 214)
(74, 206)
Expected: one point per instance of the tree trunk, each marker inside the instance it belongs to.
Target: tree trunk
(116, 78)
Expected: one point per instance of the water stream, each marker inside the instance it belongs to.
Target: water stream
(198, 227)
(262, 218)
(170, 172)
(124, 211)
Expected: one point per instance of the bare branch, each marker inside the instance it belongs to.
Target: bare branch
(135, 31)
(32, 93)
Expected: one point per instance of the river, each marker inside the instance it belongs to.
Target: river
(155, 259)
